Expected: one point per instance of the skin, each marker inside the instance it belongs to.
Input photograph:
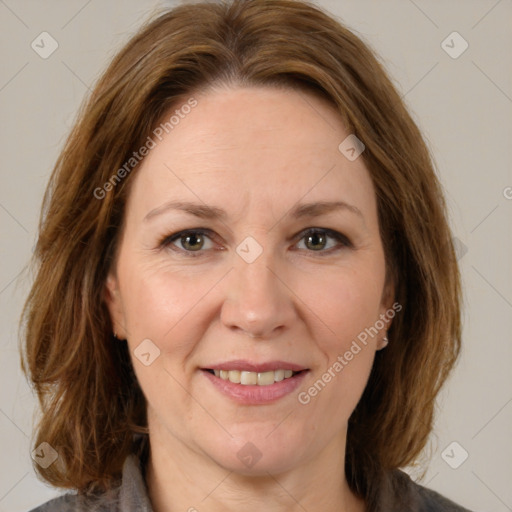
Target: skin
(255, 152)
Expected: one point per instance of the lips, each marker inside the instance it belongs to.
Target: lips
(246, 373)
(267, 391)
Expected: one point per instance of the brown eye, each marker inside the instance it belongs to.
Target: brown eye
(324, 240)
(316, 241)
(188, 242)
(193, 242)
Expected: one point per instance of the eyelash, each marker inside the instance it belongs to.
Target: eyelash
(167, 241)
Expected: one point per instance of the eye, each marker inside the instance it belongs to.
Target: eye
(317, 240)
(191, 241)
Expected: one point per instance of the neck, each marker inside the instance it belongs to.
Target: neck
(179, 478)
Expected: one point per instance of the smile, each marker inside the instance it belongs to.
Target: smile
(248, 378)
(255, 384)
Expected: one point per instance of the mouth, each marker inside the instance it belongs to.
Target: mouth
(250, 378)
(251, 384)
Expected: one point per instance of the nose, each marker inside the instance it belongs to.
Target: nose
(258, 302)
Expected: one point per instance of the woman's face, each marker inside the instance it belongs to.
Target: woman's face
(282, 268)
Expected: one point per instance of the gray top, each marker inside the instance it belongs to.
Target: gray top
(130, 496)
(397, 493)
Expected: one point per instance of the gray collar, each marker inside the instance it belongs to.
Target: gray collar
(133, 494)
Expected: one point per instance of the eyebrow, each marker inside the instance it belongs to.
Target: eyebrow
(304, 210)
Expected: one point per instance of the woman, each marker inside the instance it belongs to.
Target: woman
(247, 293)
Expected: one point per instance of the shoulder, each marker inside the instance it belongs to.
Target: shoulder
(73, 503)
(434, 502)
(128, 495)
(64, 503)
(414, 497)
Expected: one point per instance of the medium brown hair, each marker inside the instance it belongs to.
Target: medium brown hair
(91, 402)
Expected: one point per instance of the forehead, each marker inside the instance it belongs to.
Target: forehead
(242, 145)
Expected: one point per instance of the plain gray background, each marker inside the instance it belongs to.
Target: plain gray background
(462, 102)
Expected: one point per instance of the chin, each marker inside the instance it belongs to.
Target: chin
(252, 455)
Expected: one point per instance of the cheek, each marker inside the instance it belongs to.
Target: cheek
(167, 308)
(345, 301)
(159, 301)
(347, 305)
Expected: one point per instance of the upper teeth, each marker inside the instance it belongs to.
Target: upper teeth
(253, 378)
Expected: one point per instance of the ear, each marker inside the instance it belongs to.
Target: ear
(387, 312)
(115, 306)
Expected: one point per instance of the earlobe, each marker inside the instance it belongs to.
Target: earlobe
(114, 305)
(383, 343)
